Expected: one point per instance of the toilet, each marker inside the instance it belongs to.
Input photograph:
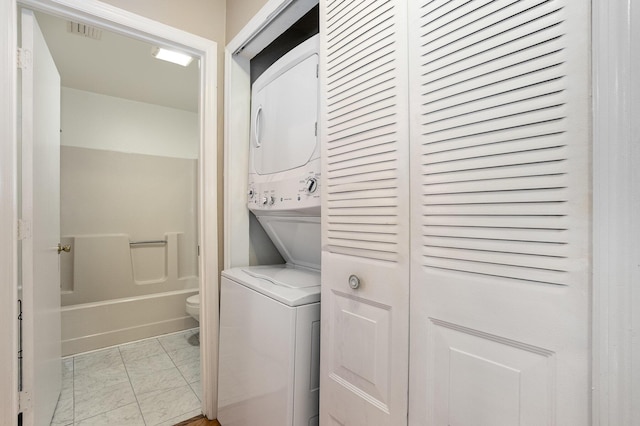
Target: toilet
(193, 306)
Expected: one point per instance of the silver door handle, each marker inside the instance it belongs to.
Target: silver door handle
(256, 127)
(354, 282)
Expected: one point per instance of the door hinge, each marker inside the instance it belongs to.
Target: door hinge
(23, 57)
(25, 402)
(20, 355)
(318, 71)
(24, 229)
(316, 129)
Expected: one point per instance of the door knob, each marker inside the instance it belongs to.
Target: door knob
(354, 282)
(64, 248)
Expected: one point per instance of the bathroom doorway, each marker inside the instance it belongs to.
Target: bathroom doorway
(161, 260)
(128, 208)
(129, 141)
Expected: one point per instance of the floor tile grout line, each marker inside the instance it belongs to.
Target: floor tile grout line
(194, 391)
(183, 376)
(135, 395)
(104, 412)
(55, 411)
(185, 379)
(174, 366)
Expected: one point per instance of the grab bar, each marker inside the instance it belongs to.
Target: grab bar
(136, 243)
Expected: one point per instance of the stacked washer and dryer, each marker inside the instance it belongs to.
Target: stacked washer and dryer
(270, 315)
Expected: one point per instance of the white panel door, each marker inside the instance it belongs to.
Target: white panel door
(364, 133)
(41, 213)
(499, 213)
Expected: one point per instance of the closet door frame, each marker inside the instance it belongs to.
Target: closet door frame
(616, 202)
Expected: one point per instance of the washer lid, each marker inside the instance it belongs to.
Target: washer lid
(285, 283)
(296, 238)
(285, 276)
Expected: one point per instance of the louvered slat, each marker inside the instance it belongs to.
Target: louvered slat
(369, 193)
(499, 246)
(375, 153)
(513, 146)
(499, 197)
(363, 187)
(502, 270)
(493, 140)
(550, 236)
(556, 208)
(361, 129)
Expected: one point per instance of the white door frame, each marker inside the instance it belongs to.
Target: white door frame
(616, 203)
(117, 20)
(8, 216)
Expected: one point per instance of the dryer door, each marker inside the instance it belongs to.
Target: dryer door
(283, 118)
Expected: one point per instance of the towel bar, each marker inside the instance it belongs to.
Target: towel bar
(135, 243)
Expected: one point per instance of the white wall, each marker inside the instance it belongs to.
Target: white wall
(95, 121)
(239, 13)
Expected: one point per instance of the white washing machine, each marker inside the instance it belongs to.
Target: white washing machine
(269, 355)
(270, 346)
(269, 362)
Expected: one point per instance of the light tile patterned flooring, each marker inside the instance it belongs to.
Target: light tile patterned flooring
(149, 382)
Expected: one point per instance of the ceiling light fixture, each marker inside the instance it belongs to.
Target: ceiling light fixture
(171, 56)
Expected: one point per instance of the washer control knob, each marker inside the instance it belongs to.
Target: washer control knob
(251, 193)
(310, 185)
(265, 200)
(354, 282)
(271, 200)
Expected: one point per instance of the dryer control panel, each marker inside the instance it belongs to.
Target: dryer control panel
(297, 194)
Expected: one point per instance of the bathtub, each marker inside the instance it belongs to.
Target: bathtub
(116, 290)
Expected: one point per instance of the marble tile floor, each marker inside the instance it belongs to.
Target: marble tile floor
(150, 382)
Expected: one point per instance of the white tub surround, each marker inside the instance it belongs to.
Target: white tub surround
(90, 326)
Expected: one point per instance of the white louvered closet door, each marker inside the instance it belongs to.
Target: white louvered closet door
(365, 128)
(499, 213)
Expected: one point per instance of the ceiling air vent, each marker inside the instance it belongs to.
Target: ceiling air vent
(84, 30)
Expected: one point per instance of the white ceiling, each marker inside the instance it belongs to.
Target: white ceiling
(119, 66)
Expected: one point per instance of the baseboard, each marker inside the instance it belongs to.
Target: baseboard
(117, 337)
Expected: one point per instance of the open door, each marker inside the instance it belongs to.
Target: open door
(40, 226)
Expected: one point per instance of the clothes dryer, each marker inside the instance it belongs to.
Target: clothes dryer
(284, 155)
